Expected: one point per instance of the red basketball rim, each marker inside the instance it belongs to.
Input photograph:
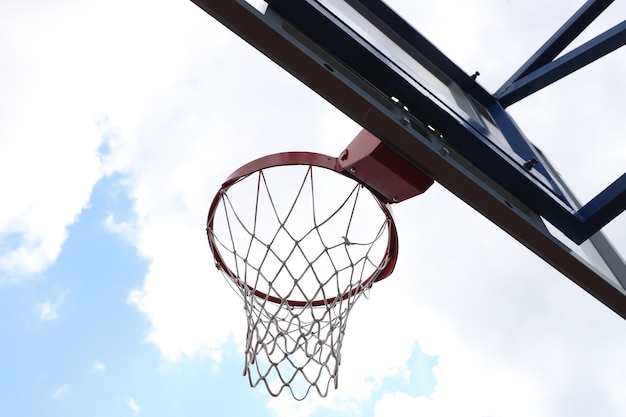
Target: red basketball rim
(308, 159)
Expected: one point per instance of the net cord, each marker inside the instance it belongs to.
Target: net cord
(296, 341)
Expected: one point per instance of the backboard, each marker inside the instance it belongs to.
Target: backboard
(373, 66)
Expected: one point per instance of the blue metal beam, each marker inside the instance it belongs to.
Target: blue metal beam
(601, 45)
(603, 208)
(559, 41)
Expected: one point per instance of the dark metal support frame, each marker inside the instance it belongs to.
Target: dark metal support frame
(303, 38)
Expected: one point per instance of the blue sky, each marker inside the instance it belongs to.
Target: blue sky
(77, 345)
(118, 122)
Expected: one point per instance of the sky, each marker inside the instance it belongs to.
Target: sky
(118, 122)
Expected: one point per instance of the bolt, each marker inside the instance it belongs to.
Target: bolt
(352, 170)
(405, 121)
(344, 155)
(444, 151)
(395, 199)
(530, 164)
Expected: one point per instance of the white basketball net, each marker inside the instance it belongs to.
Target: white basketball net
(299, 264)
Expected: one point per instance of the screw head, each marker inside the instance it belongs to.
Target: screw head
(405, 121)
(530, 164)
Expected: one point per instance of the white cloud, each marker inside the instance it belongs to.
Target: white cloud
(122, 228)
(133, 405)
(61, 391)
(400, 405)
(49, 148)
(47, 311)
(98, 367)
(192, 309)
(56, 86)
(506, 328)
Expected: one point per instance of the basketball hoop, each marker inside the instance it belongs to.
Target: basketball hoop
(300, 263)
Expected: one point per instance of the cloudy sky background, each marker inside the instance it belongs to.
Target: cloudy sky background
(119, 120)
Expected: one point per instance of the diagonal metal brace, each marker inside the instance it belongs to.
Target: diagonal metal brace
(559, 41)
(549, 73)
